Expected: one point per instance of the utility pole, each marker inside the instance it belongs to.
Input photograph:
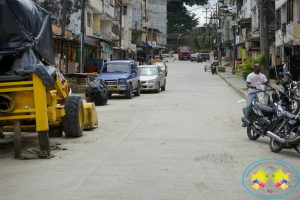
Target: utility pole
(120, 29)
(152, 39)
(82, 36)
(261, 12)
(120, 22)
(206, 23)
(63, 24)
(135, 40)
(266, 42)
(233, 51)
(147, 57)
(219, 37)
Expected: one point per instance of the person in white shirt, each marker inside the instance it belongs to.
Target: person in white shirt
(254, 79)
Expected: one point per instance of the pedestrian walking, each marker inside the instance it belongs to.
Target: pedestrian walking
(254, 79)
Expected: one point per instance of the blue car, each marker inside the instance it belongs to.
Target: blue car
(121, 77)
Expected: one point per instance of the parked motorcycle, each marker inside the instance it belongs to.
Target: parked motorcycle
(288, 96)
(213, 69)
(287, 135)
(262, 117)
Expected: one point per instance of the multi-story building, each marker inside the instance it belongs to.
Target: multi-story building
(284, 26)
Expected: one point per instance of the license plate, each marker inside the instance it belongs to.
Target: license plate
(110, 87)
(142, 86)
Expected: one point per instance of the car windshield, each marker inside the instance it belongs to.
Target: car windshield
(184, 49)
(161, 65)
(148, 71)
(116, 68)
(204, 51)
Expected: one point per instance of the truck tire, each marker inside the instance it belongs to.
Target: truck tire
(73, 121)
(138, 90)
(128, 93)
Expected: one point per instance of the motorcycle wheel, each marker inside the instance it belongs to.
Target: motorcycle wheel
(251, 134)
(295, 106)
(275, 146)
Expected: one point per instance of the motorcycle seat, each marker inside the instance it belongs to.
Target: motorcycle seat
(288, 114)
(265, 108)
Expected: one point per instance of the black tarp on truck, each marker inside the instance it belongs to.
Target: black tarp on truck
(26, 40)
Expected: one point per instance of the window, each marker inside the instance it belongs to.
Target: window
(125, 10)
(115, 68)
(278, 19)
(89, 19)
(290, 12)
(283, 14)
(132, 67)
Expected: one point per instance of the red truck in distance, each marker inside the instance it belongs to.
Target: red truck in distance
(184, 53)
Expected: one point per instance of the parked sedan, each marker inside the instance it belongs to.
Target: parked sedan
(152, 78)
(163, 67)
(194, 57)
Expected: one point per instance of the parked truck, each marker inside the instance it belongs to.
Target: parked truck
(121, 77)
(34, 96)
(184, 53)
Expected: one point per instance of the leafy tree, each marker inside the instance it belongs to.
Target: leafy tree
(180, 20)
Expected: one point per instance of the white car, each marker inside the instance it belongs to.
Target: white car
(152, 78)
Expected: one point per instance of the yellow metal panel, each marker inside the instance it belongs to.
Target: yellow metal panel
(23, 111)
(40, 101)
(23, 99)
(60, 112)
(61, 87)
(51, 114)
(16, 89)
(16, 83)
(90, 115)
(18, 117)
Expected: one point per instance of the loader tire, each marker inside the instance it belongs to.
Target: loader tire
(73, 121)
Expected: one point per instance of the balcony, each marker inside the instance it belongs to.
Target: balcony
(114, 36)
(285, 35)
(103, 35)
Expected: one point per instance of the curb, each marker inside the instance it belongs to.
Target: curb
(241, 93)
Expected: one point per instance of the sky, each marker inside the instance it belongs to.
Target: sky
(198, 10)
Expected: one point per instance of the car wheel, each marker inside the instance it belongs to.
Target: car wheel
(163, 88)
(128, 93)
(158, 88)
(138, 90)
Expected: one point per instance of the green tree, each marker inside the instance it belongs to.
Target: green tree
(180, 20)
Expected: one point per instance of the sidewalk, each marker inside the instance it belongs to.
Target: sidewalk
(238, 83)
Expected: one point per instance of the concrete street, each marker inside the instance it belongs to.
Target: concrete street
(183, 143)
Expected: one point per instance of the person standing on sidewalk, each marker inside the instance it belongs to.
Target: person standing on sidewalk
(253, 79)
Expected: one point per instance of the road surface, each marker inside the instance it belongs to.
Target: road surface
(183, 143)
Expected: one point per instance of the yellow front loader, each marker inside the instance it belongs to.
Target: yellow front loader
(28, 104)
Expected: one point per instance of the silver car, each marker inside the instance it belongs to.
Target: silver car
(163, 67)
(152, 78)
